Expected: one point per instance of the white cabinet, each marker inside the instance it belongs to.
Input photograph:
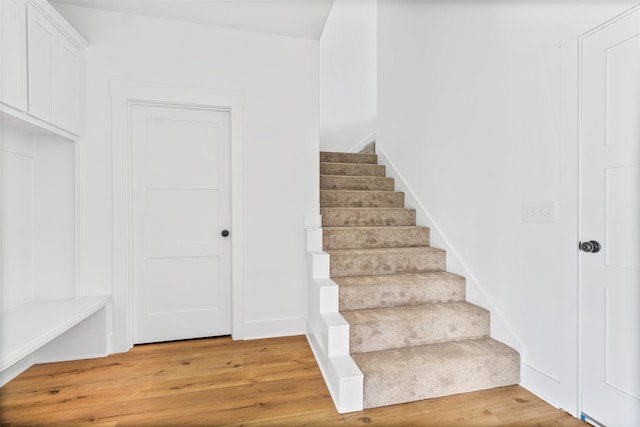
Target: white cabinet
(43, 315)
(39, 68)
(65, 80)
(42, 44)
(53, 71)
(13, 60)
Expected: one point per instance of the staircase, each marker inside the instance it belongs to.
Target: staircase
(411, 332)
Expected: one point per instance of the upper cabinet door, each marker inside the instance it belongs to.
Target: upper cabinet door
(43, 38)
(13, 60)
(65, 95)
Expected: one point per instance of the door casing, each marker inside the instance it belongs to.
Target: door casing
(125, 94)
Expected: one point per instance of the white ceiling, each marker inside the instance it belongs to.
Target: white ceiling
(293, 18)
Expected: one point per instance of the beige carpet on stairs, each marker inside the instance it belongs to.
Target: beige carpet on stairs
(412, 333)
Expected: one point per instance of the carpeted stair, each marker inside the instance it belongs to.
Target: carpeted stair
(412, 333)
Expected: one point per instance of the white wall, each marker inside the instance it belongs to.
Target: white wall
(348, 75)
(17, 180)
(478, 111)
(37, 210)
(278, 78)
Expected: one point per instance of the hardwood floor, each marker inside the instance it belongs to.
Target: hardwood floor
(217, 381)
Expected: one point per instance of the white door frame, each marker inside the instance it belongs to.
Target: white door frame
(125, 94)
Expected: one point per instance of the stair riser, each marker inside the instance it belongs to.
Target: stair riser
(442, 324)
(380, 237)
(435, 375)
(357, 199)
(365, 296)
(367, 265)
(370, 183)
(351, 169)
(348, 217)
(328, 157)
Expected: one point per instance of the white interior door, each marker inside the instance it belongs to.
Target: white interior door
(610, 214)
(181, 178)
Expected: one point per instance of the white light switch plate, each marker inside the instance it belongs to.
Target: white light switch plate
(539, 212)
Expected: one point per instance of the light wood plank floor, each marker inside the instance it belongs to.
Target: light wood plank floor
(270, 382)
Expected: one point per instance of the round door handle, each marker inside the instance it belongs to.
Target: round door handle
(225, 233)
(591, 246)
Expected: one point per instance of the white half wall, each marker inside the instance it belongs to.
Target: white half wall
(348, 75)
(278, 80)
(477, 107)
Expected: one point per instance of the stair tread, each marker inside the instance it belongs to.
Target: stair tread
(350, 164)
(375, 237)
(382, 251)
(421, 372)
(375, 227)
(361, 191)
(395, 358)
(366, 262)
(358, 216)
(351, 169)
(392, 290)
(357, 158)
(378, 329)
(361, 198)
(373, 177)
(364, 208)
(410, 312)
(356, 183)
(400, 278)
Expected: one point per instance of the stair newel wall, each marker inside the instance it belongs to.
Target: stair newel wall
(327, 330)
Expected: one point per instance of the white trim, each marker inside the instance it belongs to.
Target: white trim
(606, 24)
(124, 94)
(59, 22)
(363, 143)
(313, 221)
(29, 123)
(327, 331)
(274, 328)
(78, 177)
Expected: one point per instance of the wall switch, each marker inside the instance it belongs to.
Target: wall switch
(539, 212)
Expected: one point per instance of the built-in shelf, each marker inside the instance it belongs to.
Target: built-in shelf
(28, 327)
(29, 123)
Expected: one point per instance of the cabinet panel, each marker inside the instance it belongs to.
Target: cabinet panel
(42, 48)
(65, 94)
(13, 61)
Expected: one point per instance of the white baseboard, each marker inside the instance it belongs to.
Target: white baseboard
(342, 377)
(364, 142)
(16, 369)
(274, 328)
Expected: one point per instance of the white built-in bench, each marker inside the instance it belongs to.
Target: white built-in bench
(43, 331)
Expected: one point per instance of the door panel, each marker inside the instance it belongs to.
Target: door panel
(66, 83)
(610, 214)
(622, 214)
(42, 41)
(182, 277)
(623, 127)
